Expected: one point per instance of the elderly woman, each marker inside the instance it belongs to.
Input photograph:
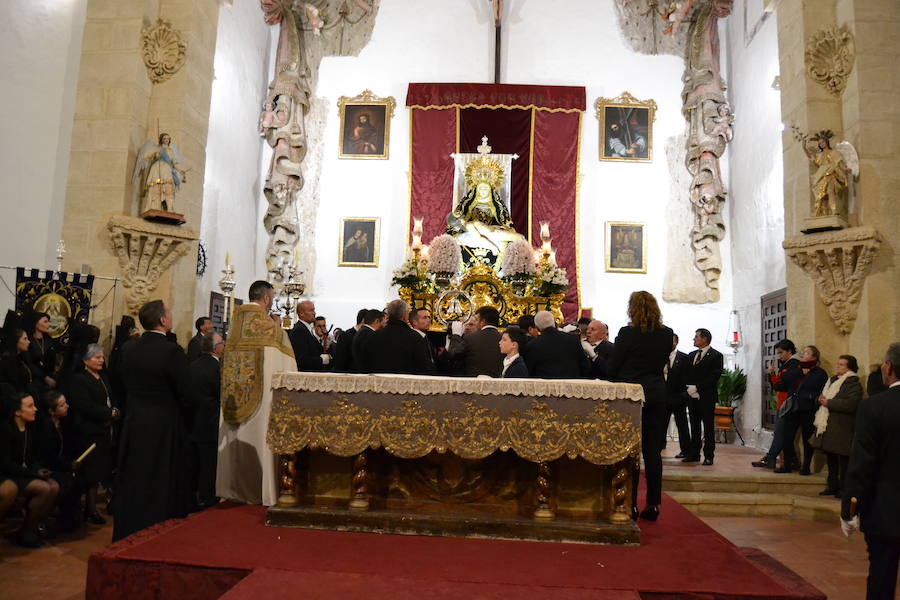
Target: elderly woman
(836, 419)
(799, 409)
(93, 411)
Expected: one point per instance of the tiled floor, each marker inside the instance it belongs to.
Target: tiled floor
(816, 551)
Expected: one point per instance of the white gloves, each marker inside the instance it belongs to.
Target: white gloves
(588, 349)
(456, 328)
(851, 526)
(692, 391)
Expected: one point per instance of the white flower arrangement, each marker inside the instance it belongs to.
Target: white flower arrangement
(552, 279)
(444, 255)
(411, 273)
(518, 259)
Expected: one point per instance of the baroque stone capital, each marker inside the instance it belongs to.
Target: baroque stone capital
(838, 262)
(829, 57)
(145, 250)
(163, 49)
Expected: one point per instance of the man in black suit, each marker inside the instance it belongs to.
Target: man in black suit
(362, 357)
(480, 350)
(510, 343)
(420, 320)
(204, 327)
(554, 354)
(205, 390)
(343, 347)
(873, 479)
(396, 348)
(676, 397)
(597, 347)
(704, 368)
(307, 348)
(153, 481)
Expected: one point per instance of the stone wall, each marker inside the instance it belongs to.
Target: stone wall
(866, 115)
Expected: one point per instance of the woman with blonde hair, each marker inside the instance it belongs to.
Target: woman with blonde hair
(640, 354)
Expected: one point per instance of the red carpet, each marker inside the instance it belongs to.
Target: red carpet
(208, 554)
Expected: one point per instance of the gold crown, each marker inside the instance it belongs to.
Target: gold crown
(484, 170)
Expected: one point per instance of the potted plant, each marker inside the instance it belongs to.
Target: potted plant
(731, 388)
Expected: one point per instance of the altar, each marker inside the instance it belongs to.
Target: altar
(504, 458)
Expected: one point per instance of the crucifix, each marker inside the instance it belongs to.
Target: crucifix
(498, 17)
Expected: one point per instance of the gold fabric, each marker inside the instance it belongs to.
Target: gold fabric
(471, 424)
(252, 330)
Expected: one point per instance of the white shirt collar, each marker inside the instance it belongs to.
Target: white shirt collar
(895, 384)
(672, 355)
(510, 358)
(422, 333)
(489, 327)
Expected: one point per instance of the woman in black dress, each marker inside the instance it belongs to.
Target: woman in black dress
(18, 460)
(14, 363)
(56, 448)
(41, 355)
(639, 355)
(93, 411)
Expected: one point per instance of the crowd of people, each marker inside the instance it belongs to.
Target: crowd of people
(144, 424)
(71, 421)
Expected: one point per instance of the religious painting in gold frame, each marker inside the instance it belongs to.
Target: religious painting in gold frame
(626, 247)
(359, 242)
(365, 126)
(626, 128)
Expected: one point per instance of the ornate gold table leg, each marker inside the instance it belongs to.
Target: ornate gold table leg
(360, 500)
(621, 513)
(287, 495)
(543, 512)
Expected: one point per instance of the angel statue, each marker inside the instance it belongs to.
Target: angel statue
(157, 170)
(835, 168)
(480, 219)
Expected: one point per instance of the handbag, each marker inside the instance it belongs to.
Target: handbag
(789, 406)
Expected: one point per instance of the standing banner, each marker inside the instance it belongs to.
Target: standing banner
(65, 297)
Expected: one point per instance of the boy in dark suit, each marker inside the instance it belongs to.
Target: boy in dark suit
(511, 343)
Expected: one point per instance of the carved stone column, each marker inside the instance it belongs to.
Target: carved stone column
(145, 251)
(838, 262)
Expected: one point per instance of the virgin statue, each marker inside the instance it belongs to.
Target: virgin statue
(157, 170)
(480, 219)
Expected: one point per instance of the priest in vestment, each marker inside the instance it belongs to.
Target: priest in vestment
(257, 347)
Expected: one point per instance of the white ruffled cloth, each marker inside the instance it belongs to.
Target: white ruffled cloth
(830, 391)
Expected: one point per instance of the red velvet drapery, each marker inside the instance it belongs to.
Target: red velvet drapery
(541, 124)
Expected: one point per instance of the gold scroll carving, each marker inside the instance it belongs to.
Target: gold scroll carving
(472, 430)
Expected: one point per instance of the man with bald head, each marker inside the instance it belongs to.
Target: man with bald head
(597, 347)
(308, 350)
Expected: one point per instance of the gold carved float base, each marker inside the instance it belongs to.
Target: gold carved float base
(502, 496)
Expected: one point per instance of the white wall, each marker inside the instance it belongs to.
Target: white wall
(756, 193)
(232, 179)
(40, 50)
(453, 42)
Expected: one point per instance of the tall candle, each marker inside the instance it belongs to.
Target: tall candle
(227, 258)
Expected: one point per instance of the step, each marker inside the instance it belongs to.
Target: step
(726, 504)
(764, 482)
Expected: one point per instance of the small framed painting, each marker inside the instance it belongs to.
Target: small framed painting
(359, 242)
(626, 247)
(626, 128)
(365, 125)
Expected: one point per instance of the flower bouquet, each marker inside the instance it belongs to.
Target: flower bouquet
(444, 258)
(412, 274)
(518, 266)
(551, 279)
